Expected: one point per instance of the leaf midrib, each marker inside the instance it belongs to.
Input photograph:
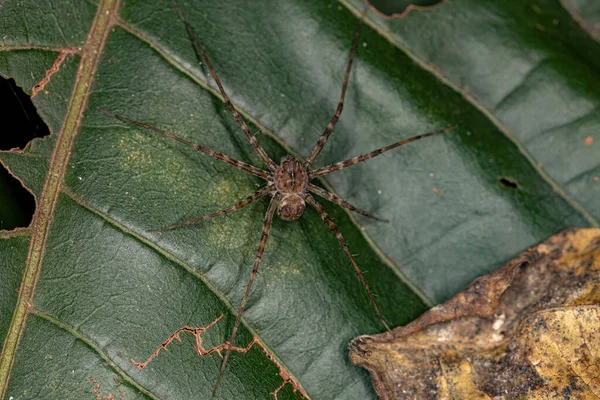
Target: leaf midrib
(49, 197)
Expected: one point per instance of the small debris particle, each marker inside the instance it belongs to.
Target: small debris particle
(589, 140)
(364, 44)
(555, 21)
(431, 174)
(499, 322)
(436, 191)
(509, 229)
(596, 178)
(379, 192)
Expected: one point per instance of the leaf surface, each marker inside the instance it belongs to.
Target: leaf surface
(103, 290)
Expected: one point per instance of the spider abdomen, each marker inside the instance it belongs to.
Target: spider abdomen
(290, 207)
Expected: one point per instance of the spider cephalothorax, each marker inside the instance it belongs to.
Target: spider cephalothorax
(288, 183)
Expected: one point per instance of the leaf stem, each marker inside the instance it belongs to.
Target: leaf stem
(47, 202)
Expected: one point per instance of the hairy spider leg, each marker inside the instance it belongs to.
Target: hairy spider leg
(272, 167)
(214, 154)
(341, 202)
(259, 253)
(327, 219)
(325, 135)
(364, 157)
(238, 118)
(259, 194)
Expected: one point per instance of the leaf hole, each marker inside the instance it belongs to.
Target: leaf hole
(508, 183)
(20, 121)
(17, 204)
(389, 9)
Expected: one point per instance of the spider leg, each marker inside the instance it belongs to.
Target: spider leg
(240, 204)
(238, 118)
(259, 253)
(325, 135)
(341, 202)
(327, 219)
(214, 154)
(350, 162)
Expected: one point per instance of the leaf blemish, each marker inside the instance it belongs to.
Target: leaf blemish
(201, 351)
(98, 395)
(508, 183)
(51, 71)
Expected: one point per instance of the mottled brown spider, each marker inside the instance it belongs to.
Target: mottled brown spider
(288, 183)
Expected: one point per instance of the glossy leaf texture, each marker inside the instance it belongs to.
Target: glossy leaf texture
(522, 89)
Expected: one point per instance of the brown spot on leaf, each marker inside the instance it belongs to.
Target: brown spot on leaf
(96, 390)
(527, 330)
(436, 191)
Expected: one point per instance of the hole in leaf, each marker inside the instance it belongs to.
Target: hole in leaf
(17, 204)
(399, 8)
(18, 116)
(508, 183)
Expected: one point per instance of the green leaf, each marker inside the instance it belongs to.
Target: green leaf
(98, 290)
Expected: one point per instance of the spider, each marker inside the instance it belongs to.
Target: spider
(288, 184)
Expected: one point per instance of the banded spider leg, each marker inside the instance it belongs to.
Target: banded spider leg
(288, 183)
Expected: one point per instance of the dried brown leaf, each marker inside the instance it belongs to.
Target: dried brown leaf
(530, 329)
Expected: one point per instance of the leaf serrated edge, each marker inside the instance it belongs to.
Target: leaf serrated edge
(58, 164)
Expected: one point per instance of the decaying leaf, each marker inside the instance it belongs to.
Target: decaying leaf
(528, 330)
